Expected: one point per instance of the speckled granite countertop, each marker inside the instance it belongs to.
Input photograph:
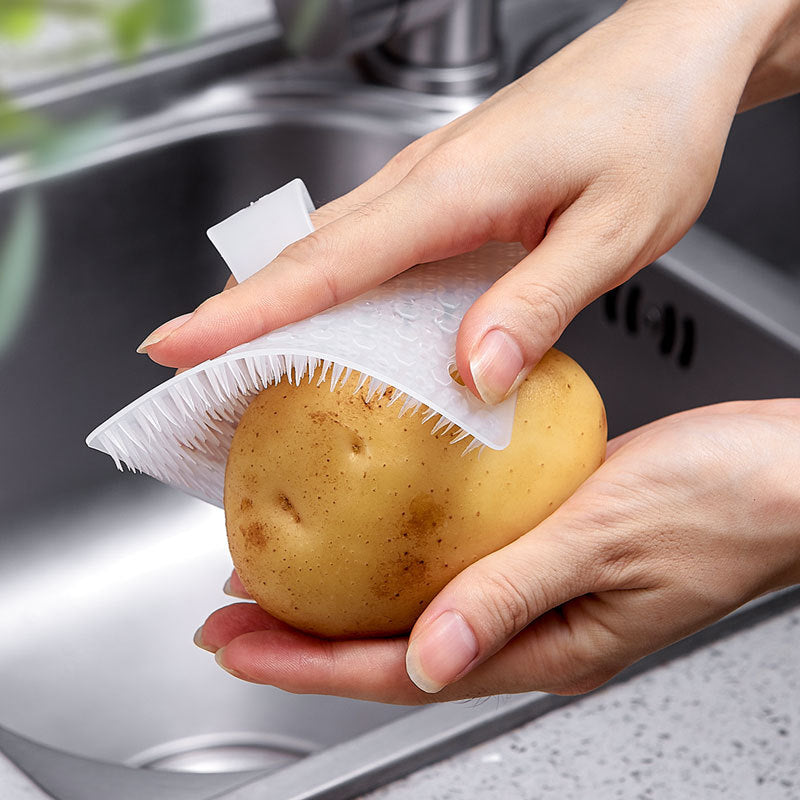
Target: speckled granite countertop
(722, 722)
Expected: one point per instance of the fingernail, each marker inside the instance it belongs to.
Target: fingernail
(496, 365)
(441, 652)
(219, 656)
(198, 640)
(161, 333)
(229, 590)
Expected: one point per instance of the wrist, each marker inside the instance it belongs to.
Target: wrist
(743, 44)
(776, 72)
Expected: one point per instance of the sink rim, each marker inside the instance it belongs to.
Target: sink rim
(366, 761)
(261, 99)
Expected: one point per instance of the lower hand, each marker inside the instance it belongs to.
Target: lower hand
(690, 517)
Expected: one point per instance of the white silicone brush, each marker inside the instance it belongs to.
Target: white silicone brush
(401, 334)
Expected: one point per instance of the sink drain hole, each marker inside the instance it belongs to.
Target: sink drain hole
(224, 752)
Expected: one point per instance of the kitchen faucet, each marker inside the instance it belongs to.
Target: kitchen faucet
(438, 46)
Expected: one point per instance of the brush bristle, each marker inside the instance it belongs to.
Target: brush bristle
(182, 436)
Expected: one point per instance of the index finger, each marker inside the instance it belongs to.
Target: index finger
(379, 229)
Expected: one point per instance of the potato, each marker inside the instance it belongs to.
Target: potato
(345, 520)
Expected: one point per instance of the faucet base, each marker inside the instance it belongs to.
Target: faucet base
(480, 78)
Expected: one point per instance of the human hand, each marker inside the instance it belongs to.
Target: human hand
(597, 161)
(690, 517)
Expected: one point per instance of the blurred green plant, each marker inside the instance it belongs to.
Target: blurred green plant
(130, 24)
(19, 257)
(125, 28)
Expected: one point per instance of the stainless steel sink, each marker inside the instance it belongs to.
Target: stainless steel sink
(104, 583)
(104, 576)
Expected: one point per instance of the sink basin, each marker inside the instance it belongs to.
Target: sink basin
(104, 576)
(110, 575)
(105, 597)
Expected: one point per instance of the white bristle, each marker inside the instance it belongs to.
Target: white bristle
(182, 435)
(338, 369)
(372, 389)
(473, 445)
(395, 397)
(410, 403)
(440, 423)
(428, 415)
(459, 436)
(326, 365)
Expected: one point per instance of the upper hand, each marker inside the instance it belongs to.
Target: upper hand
(689, 518)
(597, 161)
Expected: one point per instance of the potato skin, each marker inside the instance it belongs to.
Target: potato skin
(345, 520)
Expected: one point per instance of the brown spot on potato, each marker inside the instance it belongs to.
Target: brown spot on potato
(254, 534)
(286, 505)
(404, 570)
(424, 515)
(418, 524)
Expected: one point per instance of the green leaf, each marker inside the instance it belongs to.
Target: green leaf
(19, 266)
(132, 24)
(178, 20)
(19, 19)
(18, 127)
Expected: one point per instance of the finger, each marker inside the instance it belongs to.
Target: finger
(567, 651)
(352, 203)
(517, 320)
(295, 662)
(490, 602)
(403, 227)
(231, 621)
(235, 588)
(229, 284)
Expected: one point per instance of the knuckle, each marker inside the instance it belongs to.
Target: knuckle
(608, 540)
(544, 309)
(406, 159)
(312, 254)
(508, 605)
(309, 251)
(444, 168)
(216, 306)
(624, 225)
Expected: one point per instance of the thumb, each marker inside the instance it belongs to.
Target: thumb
(490, 602)
(515, 322)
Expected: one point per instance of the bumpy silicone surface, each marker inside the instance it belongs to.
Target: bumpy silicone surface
(401, 334)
